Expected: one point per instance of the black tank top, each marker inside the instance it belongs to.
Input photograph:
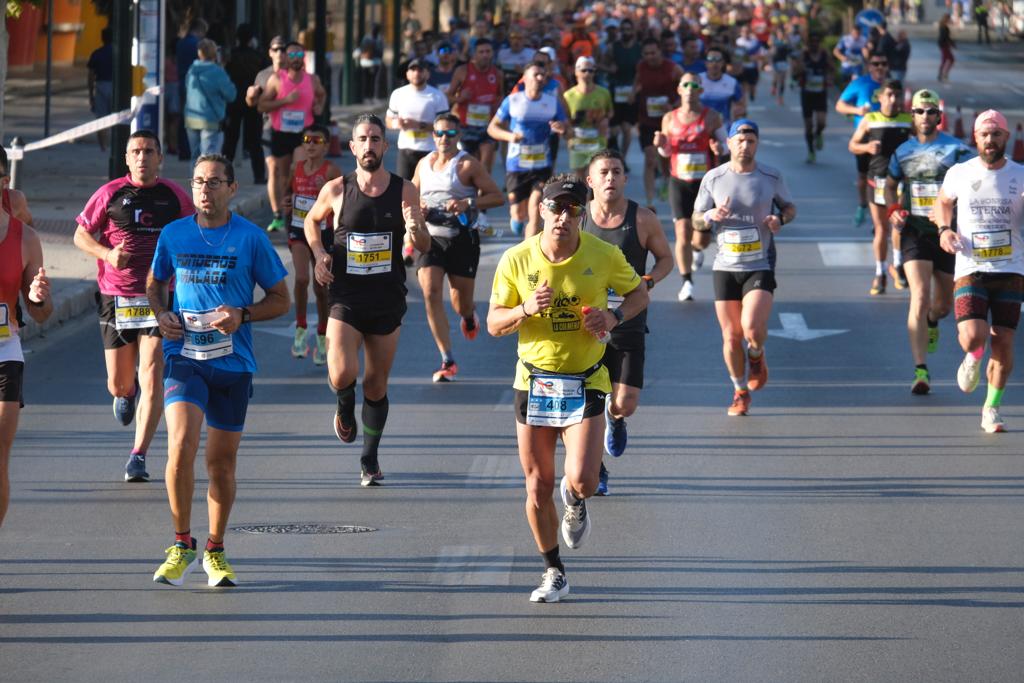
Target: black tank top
(891, 131)
(813, 78)
(367, 265)
(625, 237)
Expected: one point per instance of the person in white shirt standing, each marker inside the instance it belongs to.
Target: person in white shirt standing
(412, 110)
(988, 192)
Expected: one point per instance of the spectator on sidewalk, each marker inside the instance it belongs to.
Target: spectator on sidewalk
(186, 52)
(101, 83)
(208, 90)
(243, 67)
(946, 45)
(981, 18)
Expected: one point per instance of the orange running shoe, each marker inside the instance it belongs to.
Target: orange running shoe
(740, 404)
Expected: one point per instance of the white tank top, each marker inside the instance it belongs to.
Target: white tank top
(437, 187)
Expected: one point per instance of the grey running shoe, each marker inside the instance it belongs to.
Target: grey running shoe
(135, 468)
(575, 520)
(553, 587)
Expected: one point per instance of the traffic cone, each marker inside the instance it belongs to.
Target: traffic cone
(943, 121)
(1018, 145)
(958, 125)
(908, 98)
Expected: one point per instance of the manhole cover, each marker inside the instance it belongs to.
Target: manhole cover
(303, 529)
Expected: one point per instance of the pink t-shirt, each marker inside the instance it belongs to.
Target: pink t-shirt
(123, 212)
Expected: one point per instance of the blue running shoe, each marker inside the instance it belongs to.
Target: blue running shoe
(124, 408)
(614, 433)
(602, 483)
(135, 468)
(860, 216)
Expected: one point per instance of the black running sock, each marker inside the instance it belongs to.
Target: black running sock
(470, 323)
(213, 546)
(922, 366)
(687, 277)
(347, 402)
(375, 415)
(809, 137)
(551, 559)
(932, 323)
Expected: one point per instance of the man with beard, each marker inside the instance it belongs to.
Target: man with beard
(920, 164)
(988, 193)
(411, 111)
(291, 98)
(476, 89)
(373, 210)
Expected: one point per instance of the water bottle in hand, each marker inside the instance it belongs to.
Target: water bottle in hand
(605, 336)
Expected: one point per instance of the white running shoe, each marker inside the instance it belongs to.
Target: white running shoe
(698, 260)
(575, 520)
(991, 421)
(553, 587)
(686, 293)
(967, 375)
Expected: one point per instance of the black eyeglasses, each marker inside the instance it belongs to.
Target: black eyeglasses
(929, 112)
(448, 133)
(211, 183)
(573, 209)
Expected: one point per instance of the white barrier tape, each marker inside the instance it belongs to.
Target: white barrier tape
(81, 131)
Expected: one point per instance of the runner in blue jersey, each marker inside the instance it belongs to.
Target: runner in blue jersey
(856, 100)
(216, 258)
(850, 53)
(721, 91)
(526, 119)
(920, 165)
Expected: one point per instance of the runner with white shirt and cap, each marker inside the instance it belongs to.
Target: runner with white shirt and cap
(988, 194)
(412, 110)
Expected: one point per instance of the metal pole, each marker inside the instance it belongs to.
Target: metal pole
(16, 144)
(435, 15)
(396, 41)
(349, 72)
(320, 55)
(121, 28)
(360, 33)
(49, 67)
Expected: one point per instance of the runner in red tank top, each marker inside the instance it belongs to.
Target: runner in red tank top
(654, 91)
(13, 202)
(21, 273)
(308, 177)
(689, 137)
(475, 93)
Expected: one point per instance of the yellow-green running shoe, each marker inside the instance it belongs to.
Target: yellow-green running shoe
(320, 352)
(218, 569)
(299, 346)
(180, 561)
(933, 338)
(922, 382)
(276, 224)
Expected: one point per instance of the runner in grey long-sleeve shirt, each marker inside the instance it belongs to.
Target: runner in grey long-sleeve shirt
(744, 204)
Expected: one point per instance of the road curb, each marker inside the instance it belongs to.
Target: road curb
(69, 303)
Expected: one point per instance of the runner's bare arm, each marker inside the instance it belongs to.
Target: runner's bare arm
(116, 256)
(157, 292)
(268, 101)
(497, 130)
(321, 209)
(414, 225)
(19, 206)
(455, 93)
(652, 238)
(633, 302)
(489, 195)
(858, 144)
(502, 320)
(35, 286)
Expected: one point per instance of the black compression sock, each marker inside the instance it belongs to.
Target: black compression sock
(375, 416)
(922, 366)
(687, 277)
(347, 401)
(551, 559)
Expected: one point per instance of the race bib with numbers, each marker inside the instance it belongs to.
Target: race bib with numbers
(478, 115)
(555, 401)
(293, 120)
(991, 245)
(741, 245)
(133, 313)
(202, 340)
(922, 198)
(369, 253)
(533, 156)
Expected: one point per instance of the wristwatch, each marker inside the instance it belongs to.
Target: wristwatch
(619, 315)
(246, 315)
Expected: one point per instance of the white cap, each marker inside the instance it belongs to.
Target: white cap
(550, 52)
(585, 63)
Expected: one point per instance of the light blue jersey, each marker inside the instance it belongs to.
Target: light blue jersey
(921, 167)
(213, 267)
(531, 118)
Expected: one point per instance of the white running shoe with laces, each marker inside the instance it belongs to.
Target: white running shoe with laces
(968, 374)
(575, 520)
(553, 587)
(991, 421)
(686, 293)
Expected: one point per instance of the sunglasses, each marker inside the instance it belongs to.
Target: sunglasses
(449, 133)
(928, 112)
(297, 55)
(587, 71)
(715, 59)
(692, 85)
(879, 63)
(314, 140)
(278, 49)
(443, 50)
(574, 210)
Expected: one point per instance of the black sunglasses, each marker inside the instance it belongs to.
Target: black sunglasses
(879, 63)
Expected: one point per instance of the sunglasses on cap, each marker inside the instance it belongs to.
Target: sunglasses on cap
(447, 133)
(314, 140)
(443, 50)
(929, 112)
(556, 207)
(692, 85)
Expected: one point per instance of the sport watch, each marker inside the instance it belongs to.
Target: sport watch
(619, 315)
(246, 315)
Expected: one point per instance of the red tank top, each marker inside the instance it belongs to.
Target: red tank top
(305, 189)
(657, 94)
(482, 88)
(690, 145)
(11, 267)
(7, 202)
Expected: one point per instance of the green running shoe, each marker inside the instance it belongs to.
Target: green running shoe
(933, 338)
(299, 346)
(276, 224)
(218, 569)
(179, 563)
(320, 352)
(922, 382)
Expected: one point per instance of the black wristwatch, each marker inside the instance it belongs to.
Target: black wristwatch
(619, 315)
(246, 315)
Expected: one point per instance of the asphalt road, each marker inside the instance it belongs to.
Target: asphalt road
(844, 531)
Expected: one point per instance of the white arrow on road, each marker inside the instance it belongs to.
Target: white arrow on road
(795, 327)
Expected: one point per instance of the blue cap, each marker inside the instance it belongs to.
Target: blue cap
(745, 124)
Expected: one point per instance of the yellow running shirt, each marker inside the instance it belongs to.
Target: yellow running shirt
(555, 340)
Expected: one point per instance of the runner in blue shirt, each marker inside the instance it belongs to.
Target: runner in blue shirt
(720, 91)
(525, 119)
(856, 100)
(216, 259)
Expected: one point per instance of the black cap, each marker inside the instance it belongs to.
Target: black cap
(417, 63)
(573, 189)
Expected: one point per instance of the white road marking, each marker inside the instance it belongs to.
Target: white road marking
(505, 402)
(846, 254)
(474, 565)
(795, 327)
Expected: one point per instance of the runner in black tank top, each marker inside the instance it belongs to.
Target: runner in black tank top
(374, 210)
(637, 234)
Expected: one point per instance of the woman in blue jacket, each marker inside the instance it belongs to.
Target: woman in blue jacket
(208, 90)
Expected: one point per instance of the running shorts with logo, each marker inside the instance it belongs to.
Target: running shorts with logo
(222, 395)
(976, 294)
(458, 255)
